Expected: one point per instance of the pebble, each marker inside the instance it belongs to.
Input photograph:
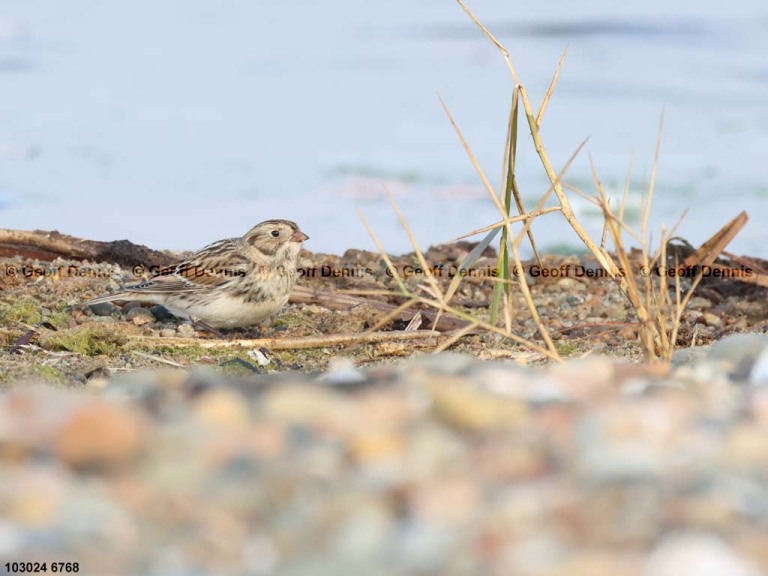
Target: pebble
(259, 357)
(695, 554)
(570, 285)
(139, 316)
(691, 316)
(219, 408)
(738, 352)
(446, 363)
(167, 333)
(443, 464)
(102, 319)
(340, 372)
(130, 305)
(758, 374)
(690, 356)
(363, 533)
(586, 379)
(186, 331)
(375, 447)
(506, 378)
(699, 303)
(711, 320)
(161, 313)
(100, 436)
(103, 308)
(462, 405)
(309, 406)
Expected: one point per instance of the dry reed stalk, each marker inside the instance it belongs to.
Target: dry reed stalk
(442, 306)
(507, 233)
(291, 343)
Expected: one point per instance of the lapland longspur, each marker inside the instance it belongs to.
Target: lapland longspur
(231, 283)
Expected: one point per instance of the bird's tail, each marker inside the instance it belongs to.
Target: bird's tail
(107, 298)
(99, 300)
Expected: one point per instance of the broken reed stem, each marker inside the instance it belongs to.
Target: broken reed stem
(543, 199)
(442, 306)
(628, 285)
(625, 193)
(392, 316)
(504, 211)
(512, 220)
(651, 188)
(649, 332)
(649, 335)
(476, 165)
(526, 291)
(681, 306)
(455, 337)
(495, 329)
(665, 348)
(567, 211)
(508, 183)
(159, 359)
(387, 259)
(596, 202)
(433, 284)
(663, 304)
(492, 38)
(533, 123)
(551, 89)
(509, 180)
(468, 318)
(507, 229)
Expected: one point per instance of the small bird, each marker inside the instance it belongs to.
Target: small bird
(231, 283)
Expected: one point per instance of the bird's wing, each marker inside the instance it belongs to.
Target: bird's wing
(214, 266)
(209, 268)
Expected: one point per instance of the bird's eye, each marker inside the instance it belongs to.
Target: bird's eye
(275, 233)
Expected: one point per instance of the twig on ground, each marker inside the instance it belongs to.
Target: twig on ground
(292, 343)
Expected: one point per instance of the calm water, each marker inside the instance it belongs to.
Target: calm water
(179, 122)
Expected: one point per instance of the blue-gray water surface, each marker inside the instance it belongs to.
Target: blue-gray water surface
(179, 122)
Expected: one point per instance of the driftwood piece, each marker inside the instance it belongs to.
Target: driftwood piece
(47, 246)
(708, 252)
(750, 271)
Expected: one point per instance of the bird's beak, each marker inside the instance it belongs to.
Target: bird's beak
(299, 236)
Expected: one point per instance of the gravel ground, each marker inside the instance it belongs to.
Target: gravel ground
(442, 465)
(584, 314)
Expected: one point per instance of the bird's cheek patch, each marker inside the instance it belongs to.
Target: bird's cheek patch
(263, 245)
(254, 241)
